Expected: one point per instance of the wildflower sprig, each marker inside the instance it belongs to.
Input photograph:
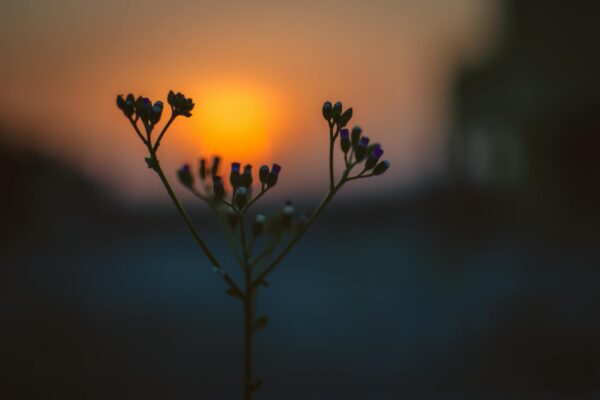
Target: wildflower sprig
(233, 198)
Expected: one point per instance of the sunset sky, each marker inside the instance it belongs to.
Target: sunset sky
(258, 72)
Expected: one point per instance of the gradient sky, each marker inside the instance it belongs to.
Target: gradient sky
(259, 72)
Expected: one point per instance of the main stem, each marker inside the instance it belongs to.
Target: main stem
(248, 314)
(248, 333)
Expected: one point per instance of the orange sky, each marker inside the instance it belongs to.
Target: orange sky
(258, 71)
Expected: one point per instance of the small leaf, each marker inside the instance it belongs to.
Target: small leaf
(261, 322)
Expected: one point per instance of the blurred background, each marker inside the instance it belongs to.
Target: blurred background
(468, 271)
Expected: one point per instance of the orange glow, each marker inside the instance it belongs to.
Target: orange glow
(237, 122)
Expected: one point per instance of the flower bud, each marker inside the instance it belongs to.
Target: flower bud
(202, 171)
(374, 156)
(126, 104)
(180, 105)
(259, 224)
(156, 112)
(235, 178)
(381, 167)
(185, 176)
(287, 214)
(215, 165)
(361, 149)
(247, 177)
(263, 174)
(273, 175)
(327, 110)
(142, 108)
(218, 188)
(345, 140)
(232, 218)
(241, 197)
(345, 118)
(355, 136)
(336, 111)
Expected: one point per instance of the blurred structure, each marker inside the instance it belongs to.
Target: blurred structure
(527, 120)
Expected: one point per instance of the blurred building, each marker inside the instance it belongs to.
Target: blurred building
(527, 119)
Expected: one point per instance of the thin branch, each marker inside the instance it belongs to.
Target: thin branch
(162, 133)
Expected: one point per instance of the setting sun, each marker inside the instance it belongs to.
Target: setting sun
(236, 122)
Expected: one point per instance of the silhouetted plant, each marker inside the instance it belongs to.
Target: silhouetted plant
(208, 185)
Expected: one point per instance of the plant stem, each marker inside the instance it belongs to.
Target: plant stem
(331, 172)
(248, 313)
(188, 223)
(248, 332)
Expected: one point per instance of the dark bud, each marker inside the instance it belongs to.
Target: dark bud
(381, 167)
(218, 188)
(247, 177)
(336, 112)
(273, 175)
(327, 110)
(241, 197)
(345, 118)
(129, 105)
(355, 136)
(232, 218)
(287, 215)
(180, 105)
(215, 165)
(126, 105)
(235, 177)
(361, 149)
(375, 154)
(142, 108)
(202, 171)
(263, 174)
(185, 176)
(259, 224)
(156, 112)
(345, 140)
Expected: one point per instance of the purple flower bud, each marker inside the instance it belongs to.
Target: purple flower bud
(234, 178)
(375, 153)
(273, 175)
(361, 150)
(185, 176)
(263, 174)
(247, 177)
(345, 140)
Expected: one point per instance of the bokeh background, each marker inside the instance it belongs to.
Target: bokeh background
(468, 271)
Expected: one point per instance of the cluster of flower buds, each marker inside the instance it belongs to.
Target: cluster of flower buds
(141, 108)
(241, 182)
(268, 177)
(150, 113)
(335, 115)
(180, 105)
(356, 147)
